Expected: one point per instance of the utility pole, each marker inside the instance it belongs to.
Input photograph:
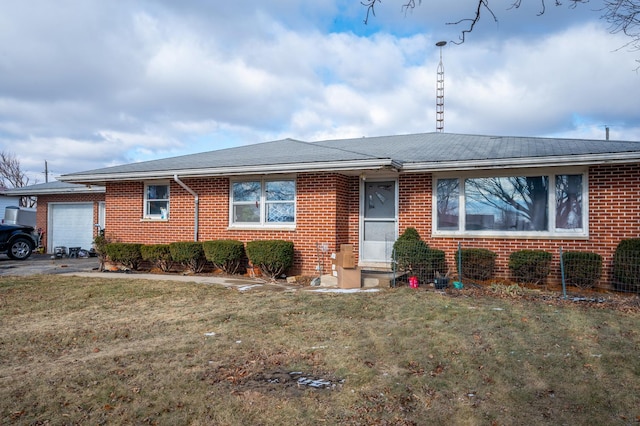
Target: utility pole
(46, 171)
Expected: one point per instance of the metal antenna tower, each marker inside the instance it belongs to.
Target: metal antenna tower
(440, 92)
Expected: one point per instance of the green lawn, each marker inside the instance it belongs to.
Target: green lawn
(121, 351)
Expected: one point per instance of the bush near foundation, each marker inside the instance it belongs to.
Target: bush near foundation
(410, 251)
(189, 254)
(158, 254)
(530, 266)
(477, 263)
(582, 268)
(436, 261)
(626, 266)
(227, 255)
(100, 243)
(126, 254)
(273, 257)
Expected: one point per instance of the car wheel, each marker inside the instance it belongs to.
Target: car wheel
(20, 249)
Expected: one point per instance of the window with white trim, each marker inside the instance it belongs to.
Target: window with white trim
(260, 202)
(156, 200)
(527, 205)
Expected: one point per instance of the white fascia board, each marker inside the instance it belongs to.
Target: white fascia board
(513, 163)
(234, 171)
(85, 190)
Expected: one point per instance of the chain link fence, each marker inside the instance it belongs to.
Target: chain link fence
(564, 271)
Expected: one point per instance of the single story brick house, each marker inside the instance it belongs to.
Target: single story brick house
(66, 213)
(495, 192)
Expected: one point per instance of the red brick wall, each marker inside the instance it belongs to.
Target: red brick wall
(614, 214)
(324, 213)
(328, 209)
(42, 212)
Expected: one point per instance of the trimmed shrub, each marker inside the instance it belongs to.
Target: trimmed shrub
(273, 257)
(530, 266)
(227, 255)
(189, 254)
(582, 268)
(414, 257)
(437, 260)
(126, 254)
(159, 255)
(100, 248)
(478, 264)
(626, 266)
(409, 251)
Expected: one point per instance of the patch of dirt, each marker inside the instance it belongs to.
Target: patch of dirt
(596, 299)
(266, 374)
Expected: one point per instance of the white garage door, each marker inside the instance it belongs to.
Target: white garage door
(70, 225)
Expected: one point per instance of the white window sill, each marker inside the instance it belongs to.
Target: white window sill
(513, 235)
(248, 227)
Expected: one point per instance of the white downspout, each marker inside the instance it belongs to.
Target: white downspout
(197, 204)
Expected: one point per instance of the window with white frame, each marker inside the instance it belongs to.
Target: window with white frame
(528, 205)
(156, 200)
(263, 202)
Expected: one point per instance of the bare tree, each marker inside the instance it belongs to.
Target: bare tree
(623, 16)
(12, 176)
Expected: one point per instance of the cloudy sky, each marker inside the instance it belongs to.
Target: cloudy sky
(86, 84)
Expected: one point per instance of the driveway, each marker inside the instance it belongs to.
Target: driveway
(44, 264)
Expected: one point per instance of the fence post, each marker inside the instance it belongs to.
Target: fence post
(564, 284)
(394, 268)
(459, 262)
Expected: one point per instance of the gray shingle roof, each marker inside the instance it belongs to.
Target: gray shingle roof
(434, 147)
(427, 151)
(54, 187)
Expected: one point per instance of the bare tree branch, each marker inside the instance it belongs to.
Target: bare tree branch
(411, 4)
(474, 20)
(623, 16)
(12, 176)
(371, 8)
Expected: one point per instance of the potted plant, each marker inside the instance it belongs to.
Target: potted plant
(441, 281)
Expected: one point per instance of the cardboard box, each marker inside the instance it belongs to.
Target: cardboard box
(345, 258)
(349, 278)
(346, 248)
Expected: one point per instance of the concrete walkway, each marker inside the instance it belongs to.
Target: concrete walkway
(88, 267)
(230, 282)
(240, 284)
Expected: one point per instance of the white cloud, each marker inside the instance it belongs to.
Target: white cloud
(90, 84)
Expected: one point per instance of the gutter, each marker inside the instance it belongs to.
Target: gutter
(234, 170)
(517, 163)
(196, 205)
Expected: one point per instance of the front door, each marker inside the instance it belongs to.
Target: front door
(379, 228)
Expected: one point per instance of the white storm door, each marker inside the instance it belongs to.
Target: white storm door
(379, 228)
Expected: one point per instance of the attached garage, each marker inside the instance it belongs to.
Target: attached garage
(66, 213)
(70, 225)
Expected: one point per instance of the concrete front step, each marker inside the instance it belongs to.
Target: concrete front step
(369, 279)
(376, 279)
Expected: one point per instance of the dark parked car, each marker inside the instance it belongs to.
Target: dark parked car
(18, 241)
